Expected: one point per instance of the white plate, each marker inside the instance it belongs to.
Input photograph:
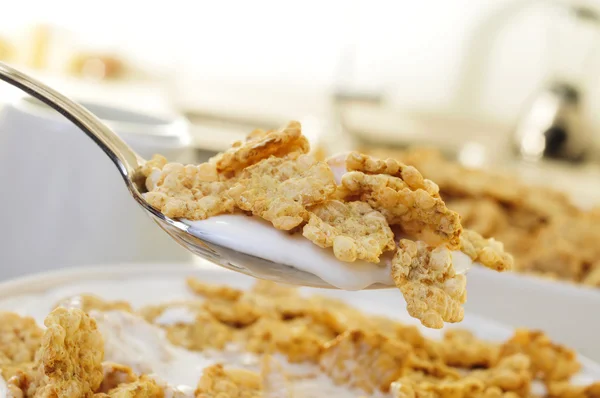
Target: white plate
(143, 284)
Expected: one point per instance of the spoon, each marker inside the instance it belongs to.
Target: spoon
(128, 163)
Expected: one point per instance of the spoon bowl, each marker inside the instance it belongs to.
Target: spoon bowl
(129, 163)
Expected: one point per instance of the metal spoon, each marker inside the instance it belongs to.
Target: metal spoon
(128, 163)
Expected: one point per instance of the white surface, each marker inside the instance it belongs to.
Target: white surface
(64, 202)
(37, 294)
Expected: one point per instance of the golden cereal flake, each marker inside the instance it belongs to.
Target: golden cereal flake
(434, 293)
(483, 215)
(89, 302)
(549, 361)
(337, 315)
(213, 291)
(114, 375)
(201, 333)
(283, 307)
(406, 387)
(155, 164)
(410, 175)
(218, 382)
(365, 360)
(280, 190)
(593, 276)
(354, 230)
(20, 338)
(461, 348)
(235, 314)
(295, 341)
(488, 252)
(510, 374)
(272, 289)
(260, 145)
(195, 192)
(418, 212)
(144, 387)
(69, 361)
(563, 389)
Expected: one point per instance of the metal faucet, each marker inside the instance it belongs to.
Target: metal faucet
(552, 124)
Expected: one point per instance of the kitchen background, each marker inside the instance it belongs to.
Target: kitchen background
(460, 74)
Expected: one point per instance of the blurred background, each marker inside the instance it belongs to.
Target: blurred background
(504, 84)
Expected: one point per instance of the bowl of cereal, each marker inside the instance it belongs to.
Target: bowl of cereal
(141, 331)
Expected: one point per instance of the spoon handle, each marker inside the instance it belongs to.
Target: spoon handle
(126, 160)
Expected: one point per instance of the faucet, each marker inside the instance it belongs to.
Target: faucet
(551, 126)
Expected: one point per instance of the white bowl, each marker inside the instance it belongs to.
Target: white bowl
(144, 284)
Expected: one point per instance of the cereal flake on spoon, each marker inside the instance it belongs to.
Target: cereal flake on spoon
(367, 210)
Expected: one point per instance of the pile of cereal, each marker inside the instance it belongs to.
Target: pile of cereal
(380, 211)
(544, 231)
(74, 355)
